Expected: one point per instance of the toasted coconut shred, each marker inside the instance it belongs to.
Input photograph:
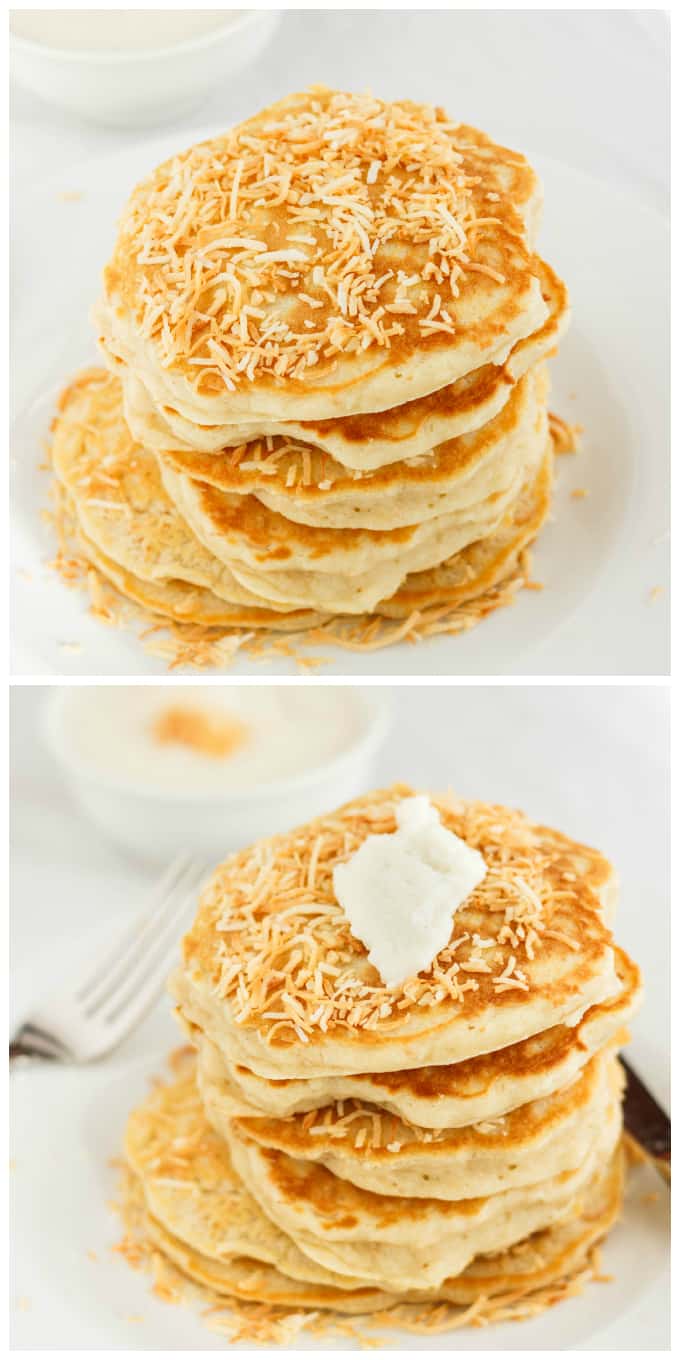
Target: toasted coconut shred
(566, 438)
(282, 953)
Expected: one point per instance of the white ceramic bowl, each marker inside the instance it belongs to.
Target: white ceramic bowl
(141, 88)
(156, 823)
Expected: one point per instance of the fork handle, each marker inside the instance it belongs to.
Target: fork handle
(31, 1044)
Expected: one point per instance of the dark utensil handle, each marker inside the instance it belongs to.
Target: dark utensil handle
(644, 1117)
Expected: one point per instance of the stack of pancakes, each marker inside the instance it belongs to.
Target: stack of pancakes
(326, 335)
(335, 1143)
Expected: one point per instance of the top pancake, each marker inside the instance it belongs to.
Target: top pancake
(335, 254)
(452, 1095)
(273, 976)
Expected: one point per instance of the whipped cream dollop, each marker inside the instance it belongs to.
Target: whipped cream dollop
(400, 892)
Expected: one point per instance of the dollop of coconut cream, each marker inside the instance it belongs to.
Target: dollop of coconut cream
(400, 892)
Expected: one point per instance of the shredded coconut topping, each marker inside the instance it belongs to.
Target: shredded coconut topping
(278, 246)
(276, 944)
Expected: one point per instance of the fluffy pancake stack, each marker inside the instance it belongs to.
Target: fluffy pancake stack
(326, 334)
(334, 1143)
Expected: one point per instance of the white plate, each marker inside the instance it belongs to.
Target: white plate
(69, 1291)
(600, 559)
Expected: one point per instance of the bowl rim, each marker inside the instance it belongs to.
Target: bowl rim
(375, 714)
(246, 19)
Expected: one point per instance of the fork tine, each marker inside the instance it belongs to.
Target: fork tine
(145, 994)
(85, 1024)
(129, 937)
(106, 977)
(120, 994)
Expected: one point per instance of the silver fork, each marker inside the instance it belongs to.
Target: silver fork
(94, 1016)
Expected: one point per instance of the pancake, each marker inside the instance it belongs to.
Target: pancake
(307, 486)
(333, 570)
(381, 1153)
(548, 1255)
(538, 1261)
(335, 254)
(191, 1189)
(181, 603)
(450, 1096)
(346, 570)
(177, 601)
(157, 1142)
(519, 189)
(365, 443)
(465, 578)
(547, 953)
(116, 494)
(123, 509)
(403, 1244)
(482, 565)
